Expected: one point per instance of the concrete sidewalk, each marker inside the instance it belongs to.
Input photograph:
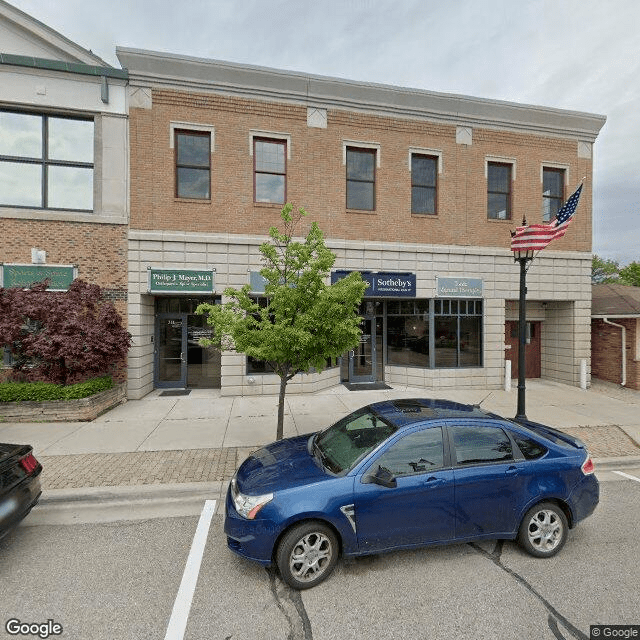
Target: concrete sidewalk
(202, 437)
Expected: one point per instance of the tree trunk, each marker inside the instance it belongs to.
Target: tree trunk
(283, 387)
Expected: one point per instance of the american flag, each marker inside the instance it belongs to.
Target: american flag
(538, 236)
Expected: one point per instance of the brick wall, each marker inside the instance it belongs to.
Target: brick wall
(316, 174)
(606, 362)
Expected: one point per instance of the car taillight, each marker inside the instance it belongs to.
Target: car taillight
(587, 466)
(29, 463)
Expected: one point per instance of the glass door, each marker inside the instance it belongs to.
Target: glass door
(362, 360)
(171, 350)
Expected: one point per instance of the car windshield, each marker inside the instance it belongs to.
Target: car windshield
(345, 443)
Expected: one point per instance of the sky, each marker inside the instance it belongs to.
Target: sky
(581, 55)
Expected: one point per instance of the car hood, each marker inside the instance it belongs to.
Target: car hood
(280, 465)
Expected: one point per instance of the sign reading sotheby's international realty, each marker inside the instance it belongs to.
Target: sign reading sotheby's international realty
(459, 287)
(24, 275)
(181, 281)
(384, 284)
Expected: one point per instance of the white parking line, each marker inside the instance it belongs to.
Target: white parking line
(626, 475)
(182, 605)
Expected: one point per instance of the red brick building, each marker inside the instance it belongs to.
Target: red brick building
(419, 190)
(615, 334)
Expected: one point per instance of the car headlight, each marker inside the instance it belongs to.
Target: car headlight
(248, 506)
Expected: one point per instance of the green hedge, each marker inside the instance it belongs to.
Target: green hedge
(40, 391)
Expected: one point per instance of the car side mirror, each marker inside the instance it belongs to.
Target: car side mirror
(381, 476)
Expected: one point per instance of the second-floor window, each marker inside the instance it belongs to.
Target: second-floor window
(552, 192)
(424, 175)
(270, 170)
(361, 179)
(193, 164)
(46, 161)
(499, 191)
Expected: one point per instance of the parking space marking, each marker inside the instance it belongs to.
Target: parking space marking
(182, 604)
(627, 475)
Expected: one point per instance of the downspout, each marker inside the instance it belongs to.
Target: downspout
(624, 348)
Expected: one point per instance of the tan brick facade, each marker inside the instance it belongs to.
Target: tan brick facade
(316, 174)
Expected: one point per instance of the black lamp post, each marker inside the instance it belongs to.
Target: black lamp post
(523, 257)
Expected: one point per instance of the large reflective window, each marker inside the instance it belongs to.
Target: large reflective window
(70, 140)
(39, 151)
(20, 184)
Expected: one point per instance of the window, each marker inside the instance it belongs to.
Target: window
(424, 173)
(531, 450)
(416, 453)
(46, 161)
(552, 192)
(458, 333)
(408, 333)
(193, 164)
(475, 445)
(270, 170)
(361, 179)
(498, 191)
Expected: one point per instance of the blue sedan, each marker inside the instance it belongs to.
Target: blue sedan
(405, 473)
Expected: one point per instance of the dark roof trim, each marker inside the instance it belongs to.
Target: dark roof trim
(60, 65)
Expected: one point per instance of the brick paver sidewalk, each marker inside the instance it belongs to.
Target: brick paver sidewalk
(210, 465)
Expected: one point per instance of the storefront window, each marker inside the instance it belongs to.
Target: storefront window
(408, 333)
(458, 333)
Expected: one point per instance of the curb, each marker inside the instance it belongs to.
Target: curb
(614, 463)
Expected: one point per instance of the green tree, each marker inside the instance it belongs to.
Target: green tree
(631, 274)
(305, 321)
(604, 270)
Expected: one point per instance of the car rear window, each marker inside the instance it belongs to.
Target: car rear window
(530, 449)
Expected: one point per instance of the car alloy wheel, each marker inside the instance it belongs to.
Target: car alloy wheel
(543, 531)
(307, 554)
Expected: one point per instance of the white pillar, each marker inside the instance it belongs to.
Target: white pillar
(507, 375)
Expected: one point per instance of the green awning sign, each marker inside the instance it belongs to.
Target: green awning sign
(181, 281)
(24, 275)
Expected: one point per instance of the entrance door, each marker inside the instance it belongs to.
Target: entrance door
(363, 359)
(171, 350)
(532, 353)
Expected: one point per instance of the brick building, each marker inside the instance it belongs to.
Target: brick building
(615, 334)
(63, 161)
(416, 189)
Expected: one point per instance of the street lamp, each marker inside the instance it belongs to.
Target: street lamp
(522, 256)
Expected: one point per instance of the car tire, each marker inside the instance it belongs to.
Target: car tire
(307, 554)
(544, 530)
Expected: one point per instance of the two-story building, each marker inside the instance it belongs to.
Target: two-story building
(416, 190)
(64, 174)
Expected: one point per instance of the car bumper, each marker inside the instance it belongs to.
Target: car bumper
(17, 503)
(584, 498)
(251, 539)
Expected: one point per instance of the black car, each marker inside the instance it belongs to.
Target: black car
(19, 484)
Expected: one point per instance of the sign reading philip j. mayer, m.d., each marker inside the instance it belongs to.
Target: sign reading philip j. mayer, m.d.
(181, 281)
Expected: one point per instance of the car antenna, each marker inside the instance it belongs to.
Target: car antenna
(478, 405)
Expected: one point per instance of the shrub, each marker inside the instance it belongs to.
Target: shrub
(42, 391)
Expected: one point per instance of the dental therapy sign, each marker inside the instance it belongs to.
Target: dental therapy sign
(384, 284)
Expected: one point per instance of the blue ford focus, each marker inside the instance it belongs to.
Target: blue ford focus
(405, 473)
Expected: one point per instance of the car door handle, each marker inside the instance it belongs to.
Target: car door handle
(432, 481)
(512, 470)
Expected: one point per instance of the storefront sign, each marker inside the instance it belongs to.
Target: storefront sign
(384, 285)
(459, 287)
(24, 275)
(181, 281)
